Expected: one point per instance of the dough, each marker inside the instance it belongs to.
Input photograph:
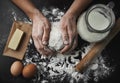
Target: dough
(55, 41)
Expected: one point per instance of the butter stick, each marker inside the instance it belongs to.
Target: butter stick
(15, 39)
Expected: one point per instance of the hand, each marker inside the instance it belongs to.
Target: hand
(40, 33)
(69, 32)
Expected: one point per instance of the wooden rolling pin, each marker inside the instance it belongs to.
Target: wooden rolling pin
(97, 49)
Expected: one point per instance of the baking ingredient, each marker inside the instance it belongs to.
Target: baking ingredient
(87, 35)
(16, 68)
(29, 70)
(15, 40)
(55, 40)
(97, 20)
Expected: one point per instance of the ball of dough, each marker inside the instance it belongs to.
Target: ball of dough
(55, 40)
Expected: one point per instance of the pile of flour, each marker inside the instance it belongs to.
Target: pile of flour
(59, 68)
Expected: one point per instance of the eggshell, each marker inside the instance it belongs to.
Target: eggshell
(16, 68)
(29, 70)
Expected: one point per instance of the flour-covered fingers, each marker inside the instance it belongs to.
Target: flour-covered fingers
(38, 45)
(64, 34)
(75, 43)
(48, 52)
(46, 34)
(67, 47)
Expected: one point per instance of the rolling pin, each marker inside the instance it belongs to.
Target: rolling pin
(97, 49)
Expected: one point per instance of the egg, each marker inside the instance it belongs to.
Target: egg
(16, 68)
(29, 70)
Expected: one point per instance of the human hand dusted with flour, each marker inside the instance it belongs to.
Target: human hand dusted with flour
(69, 25)
(40, 33)
(69, 32)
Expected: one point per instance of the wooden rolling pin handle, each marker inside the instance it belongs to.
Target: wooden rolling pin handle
(97, 48)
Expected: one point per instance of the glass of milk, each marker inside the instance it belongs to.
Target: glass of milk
(95, 23)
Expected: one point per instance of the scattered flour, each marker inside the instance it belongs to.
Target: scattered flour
(15, 17)
(60, 68)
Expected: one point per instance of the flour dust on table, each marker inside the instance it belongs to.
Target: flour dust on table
(59, 68)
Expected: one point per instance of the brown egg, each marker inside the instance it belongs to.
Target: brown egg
(16, 68)
(29, 70)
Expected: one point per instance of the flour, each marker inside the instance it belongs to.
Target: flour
(55, 40)
(60, 68)
(16, 17)
(94, 66)
(53, 14)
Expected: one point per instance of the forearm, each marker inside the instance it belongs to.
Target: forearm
(77, 7)
(27, 6)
